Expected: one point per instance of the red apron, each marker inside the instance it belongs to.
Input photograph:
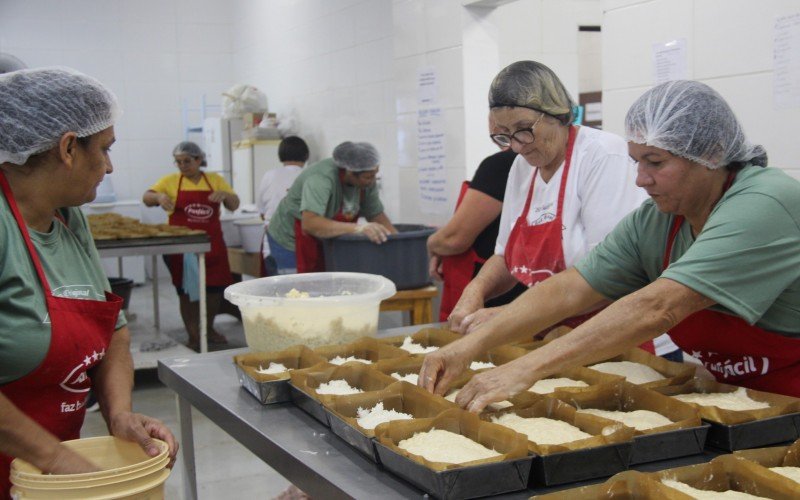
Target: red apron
(734, 351)
(534, 253)
(457, 271)
(193, 210)
(307, 249)
(54, 393)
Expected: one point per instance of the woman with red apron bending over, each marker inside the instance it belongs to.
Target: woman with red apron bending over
(567, 189)
(459, 249)
(193, 199)
(61, 331)
(325, 201)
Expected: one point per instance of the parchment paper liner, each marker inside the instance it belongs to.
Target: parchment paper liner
(501, 355)
(400, 396)
(779, 404)
(622, 396)
(358, 375)
(776, 456)
(675, 373)
(293, 358)
(521, 400)
(602, 433)
(623, 486)
(364, 348)
(591, 377)
(426, 336)
(509, 444)
(726, 472)
(403, 366)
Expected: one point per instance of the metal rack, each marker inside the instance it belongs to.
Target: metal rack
(204, 110)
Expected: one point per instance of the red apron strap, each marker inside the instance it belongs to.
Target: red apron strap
(567, 162)
(25, 234)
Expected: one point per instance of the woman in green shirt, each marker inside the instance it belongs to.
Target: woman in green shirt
(727, 287)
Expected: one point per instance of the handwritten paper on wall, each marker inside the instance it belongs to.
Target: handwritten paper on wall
(669, 61)
(786, 60)
(431, 154)
(430, 145)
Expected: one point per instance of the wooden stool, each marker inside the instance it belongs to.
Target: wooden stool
(419, 302)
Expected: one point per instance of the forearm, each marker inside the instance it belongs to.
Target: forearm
(21, 436)
(150, 198)
(446, 241)
(384, 221)
(112, 379)
(492, 280)
(322, 227)
(232, 202)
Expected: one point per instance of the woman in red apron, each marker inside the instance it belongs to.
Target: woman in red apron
(195, 203)
(83, 351)
(713, 258)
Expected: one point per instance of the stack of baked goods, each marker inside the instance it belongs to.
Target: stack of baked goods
(113, 226)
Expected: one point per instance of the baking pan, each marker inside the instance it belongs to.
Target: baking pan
(269, 392)
(579, 465)
(774, 430)
(309, 405)
(670, 444)
(463, 482)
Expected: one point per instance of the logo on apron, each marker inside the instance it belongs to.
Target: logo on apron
(198, 211)
(78, 380)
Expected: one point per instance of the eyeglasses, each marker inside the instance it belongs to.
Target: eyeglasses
(184, 161)
(523, 136)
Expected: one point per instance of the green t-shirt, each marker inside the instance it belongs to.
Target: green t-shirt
(746, 258)
(73, 269)
(318, 190)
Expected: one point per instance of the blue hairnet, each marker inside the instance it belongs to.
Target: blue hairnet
(38, 106)
(690, 119)
(356, 156)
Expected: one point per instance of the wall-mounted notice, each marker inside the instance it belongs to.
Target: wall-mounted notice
(669, 61)
(431, 160)
(786, 60)
(427, 86)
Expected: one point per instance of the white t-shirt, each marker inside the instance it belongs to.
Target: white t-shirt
(601, 190)
(273, 187)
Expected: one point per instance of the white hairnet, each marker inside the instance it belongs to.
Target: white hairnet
(192, 149)
(691, 120)
(38, 106)
(356, 156)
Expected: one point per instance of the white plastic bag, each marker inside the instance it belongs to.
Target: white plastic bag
(241, 99)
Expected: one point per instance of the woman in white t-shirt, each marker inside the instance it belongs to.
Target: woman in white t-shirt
(293, 153)
(568, 187)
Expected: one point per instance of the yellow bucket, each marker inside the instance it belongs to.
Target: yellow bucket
(127, 472)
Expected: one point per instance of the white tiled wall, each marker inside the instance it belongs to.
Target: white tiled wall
(152, 53)
(729, 45)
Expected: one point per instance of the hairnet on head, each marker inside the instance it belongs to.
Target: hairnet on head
(356, 156)
(529, 84)
(38, 106)
(691, 120)
(192, 149)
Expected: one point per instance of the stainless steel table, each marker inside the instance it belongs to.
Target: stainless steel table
(198, 244)
(290, 441)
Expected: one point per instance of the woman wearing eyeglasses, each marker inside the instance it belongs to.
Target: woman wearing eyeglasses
(193, 198)
(568, 187)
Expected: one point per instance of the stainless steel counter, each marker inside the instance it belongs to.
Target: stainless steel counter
(289, 440)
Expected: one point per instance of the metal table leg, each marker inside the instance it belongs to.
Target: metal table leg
(201, 258)
(156, 318)
(187, 448)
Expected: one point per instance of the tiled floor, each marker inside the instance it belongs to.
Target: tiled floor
(223, 465)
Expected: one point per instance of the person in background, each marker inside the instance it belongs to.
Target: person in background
(293, 154)
(192, 199)
(62, 332)
(458, 249)
(568, 187)
(713, 258)
(326, 201)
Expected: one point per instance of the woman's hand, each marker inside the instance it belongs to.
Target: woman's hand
(165, 202)
(442, 366)
(469, 302)
(66, 461)
(472, 321)
(435, 267)
(497, 384)
(142, 429)
(217, 196)
(377, 233)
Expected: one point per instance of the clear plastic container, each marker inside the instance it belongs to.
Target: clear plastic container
(312, 309)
